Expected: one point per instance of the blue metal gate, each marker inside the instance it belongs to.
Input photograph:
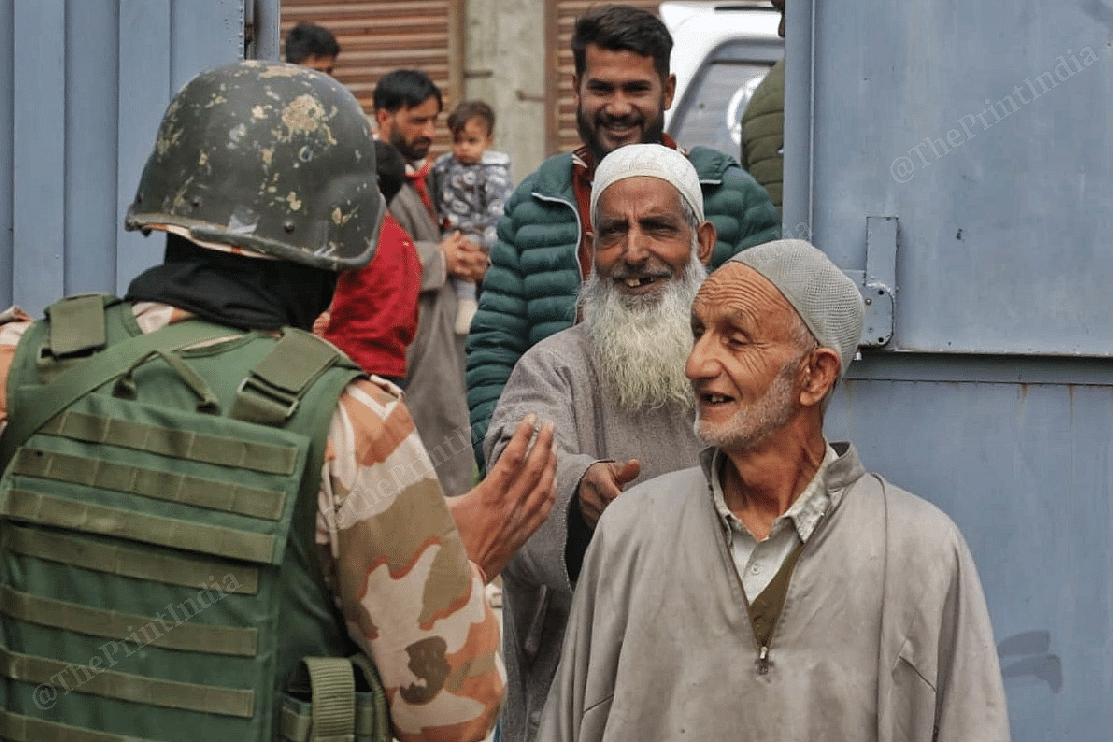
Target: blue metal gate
(956, 158)
(81, 95)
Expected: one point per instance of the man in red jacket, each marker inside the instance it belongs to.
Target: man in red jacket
(374, 313)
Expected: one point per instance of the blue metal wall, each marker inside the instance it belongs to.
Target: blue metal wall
(982, 131)
(83, 85)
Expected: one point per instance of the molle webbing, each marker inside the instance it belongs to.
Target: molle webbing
(111, 624)
(19, 728)
(170, 486)
(135, 688)
(59, 512)
(40, 384)
(157, 553)
(120, 560)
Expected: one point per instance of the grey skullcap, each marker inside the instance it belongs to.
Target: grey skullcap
(826, 299)
(649, 161)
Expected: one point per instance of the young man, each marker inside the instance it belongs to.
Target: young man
(623, 87)
(615, 387)
(313, 46)
(778, 590)
(407, 104)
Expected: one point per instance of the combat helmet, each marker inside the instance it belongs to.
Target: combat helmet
(265, 159)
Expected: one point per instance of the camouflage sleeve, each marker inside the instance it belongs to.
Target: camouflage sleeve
(410, 597)
(13, 323)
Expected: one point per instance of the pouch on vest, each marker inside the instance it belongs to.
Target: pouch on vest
(332, 699)
(158, 577)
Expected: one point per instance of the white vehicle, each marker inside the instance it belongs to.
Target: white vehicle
(720, 54)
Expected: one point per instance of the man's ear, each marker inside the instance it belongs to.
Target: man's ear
(668, 89)
(382, 119)
(706, 241)
(818, 376)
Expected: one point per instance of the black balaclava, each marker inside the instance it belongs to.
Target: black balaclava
(228, 289)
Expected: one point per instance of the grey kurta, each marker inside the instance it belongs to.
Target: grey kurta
(884, 634)
(557, 380)
(435, 393)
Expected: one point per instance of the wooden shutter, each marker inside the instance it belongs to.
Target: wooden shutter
(378, 37)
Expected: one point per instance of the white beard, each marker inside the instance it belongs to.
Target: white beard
(640, 343)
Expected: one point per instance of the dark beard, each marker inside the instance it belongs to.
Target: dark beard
(410, 151)
(651, 134)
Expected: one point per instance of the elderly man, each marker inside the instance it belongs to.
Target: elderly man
(777, 591)
(615, 386)
(623, 87)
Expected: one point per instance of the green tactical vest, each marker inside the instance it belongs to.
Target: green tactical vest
(158, 574)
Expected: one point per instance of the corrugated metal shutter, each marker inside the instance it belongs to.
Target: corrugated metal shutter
(560, 16)
(377, 37)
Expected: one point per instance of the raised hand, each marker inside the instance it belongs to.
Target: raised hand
(497, 516)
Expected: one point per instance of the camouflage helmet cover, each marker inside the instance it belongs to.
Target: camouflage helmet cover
(269, 158)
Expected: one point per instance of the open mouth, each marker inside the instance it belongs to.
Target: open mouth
(621, 129)
(712, 399)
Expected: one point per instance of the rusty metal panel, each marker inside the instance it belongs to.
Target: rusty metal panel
(378, 37)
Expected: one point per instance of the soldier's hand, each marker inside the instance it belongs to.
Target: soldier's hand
(602, 483)
(497, 516)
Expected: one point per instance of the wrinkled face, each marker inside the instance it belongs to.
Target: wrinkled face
(410, 130)
(470, 143)
(745, 361)
(642, 238)
(320, 63)
(620, 100)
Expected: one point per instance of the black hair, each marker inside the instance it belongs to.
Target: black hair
(310, 40)
(467, 110)
(622, 28)
(404, 89)
(390, 169)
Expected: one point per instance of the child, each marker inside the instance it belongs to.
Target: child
(468, 187)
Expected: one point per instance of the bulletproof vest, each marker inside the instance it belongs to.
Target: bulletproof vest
(158, 573)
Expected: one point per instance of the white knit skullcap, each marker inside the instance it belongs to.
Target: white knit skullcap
(649, 161)
(825, 298)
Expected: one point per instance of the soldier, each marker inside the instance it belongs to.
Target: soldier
(203, 502)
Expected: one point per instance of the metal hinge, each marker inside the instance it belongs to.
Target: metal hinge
(878, 283)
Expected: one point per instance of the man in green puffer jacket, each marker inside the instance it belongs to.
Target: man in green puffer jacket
(623, 87)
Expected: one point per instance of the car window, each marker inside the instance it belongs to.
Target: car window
(713, 107)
